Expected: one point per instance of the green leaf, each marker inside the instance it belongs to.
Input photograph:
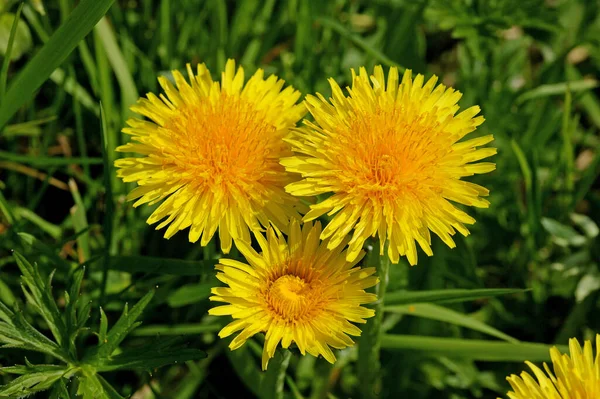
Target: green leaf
(39, 295)
(144, 359)
(31, 383)
(16, 332)
(271, 386)
(478, 350)
(38, 246)
(93, 386)
(563, 235)
(557, 89)
(440, 313)
(125, 324)
(37, 368)
(190, 293)
(446, 296)
(22, 38)
(78, 24)
(148, 264)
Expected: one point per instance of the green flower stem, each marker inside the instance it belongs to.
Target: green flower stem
(271, 386)
(369, 366)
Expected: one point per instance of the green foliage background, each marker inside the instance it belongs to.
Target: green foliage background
(530, 64)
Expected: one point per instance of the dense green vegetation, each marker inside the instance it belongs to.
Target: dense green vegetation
(65, 90)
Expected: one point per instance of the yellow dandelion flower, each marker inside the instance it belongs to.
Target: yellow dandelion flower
(391, 157)
(296, 291)
(210, 152)
(575, 377)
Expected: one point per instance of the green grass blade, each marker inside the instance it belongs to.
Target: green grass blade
(557, 89)
(109, 201)
(440, 313)
(478, 350)
(358, 41)
(129, 93)
(47, 161)
(447, 296)
(79, 23)
(6, 61)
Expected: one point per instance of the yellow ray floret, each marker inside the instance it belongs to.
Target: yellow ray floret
(295, 291)
(210, 154)
(575, 377)
(391, 155)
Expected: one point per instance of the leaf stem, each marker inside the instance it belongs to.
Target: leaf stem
(271, 386)
(369, 365)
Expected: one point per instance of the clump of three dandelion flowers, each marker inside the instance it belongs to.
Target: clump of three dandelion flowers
(227, 156)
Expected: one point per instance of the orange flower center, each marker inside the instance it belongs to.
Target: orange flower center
(389, 152)
(293, 296)
(222, 141)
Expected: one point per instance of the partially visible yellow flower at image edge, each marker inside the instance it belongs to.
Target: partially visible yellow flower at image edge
(295, 292)
(391, 155)
(210, 152)
(575, 377)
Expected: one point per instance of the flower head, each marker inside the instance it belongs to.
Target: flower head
(575, 377)
(391, 156)
(296, 291)
(210, 152)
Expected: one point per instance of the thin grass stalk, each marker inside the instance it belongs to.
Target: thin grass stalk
(369, 365)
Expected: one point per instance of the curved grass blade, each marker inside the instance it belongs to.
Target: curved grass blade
(79, 23)
(479, 350)
(446, 296)
(440, 313)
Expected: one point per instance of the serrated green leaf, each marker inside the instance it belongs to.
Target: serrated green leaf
(40, 297)
(440, 313)
(144, 359)
(20, 334)
(126, 323)
(446, 296)
(29, 368)
(31, 383)
(59, 390)
(93, 386)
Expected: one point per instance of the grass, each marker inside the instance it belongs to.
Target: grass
(528, 272)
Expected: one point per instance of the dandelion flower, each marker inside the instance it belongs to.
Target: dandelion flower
(391, 156)
(296, 291)
(575, 377)
(210, 153)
